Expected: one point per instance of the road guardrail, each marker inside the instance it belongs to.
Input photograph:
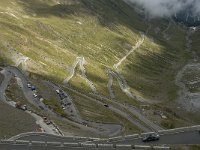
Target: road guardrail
(81, 145)
(38, 143)
(54, 144)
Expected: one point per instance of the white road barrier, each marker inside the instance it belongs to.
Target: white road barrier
(71, 144)
(38, 143)
(82, 145)
(54, 143)
(142, 147)
(22, 142)
(160, 148)
(123, 146)
(105, 145)
(132, 136)
(89, 145)
(7, 141)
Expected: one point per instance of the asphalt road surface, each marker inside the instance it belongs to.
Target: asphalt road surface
(25, 147)
(190, 137)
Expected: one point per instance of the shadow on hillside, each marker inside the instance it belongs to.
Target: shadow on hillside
(43, 9)
(108, 12)
(111, 13)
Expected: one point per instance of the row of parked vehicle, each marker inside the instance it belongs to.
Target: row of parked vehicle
(63, 96)
(33, 88)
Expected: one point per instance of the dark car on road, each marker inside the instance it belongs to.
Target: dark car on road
(106, 105)
(33, 88)
(151, 137)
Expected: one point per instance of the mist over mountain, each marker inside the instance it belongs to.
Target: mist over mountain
(187, 17)
(184, 11)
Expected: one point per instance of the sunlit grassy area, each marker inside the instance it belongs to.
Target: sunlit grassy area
(52, 35)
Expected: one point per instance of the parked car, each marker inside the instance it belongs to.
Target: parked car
(33, 88)
(58, 91)
(63, 107)
(24, 107)
(40, 98)
(34, 95)
(69, 103)
(151, 137)
(106, 105)
(29, 85)
(62, 96)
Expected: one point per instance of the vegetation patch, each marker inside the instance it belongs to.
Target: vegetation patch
(55, 106)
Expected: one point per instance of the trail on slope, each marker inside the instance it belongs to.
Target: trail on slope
(23, 62)
(138, 44)
(10, 14)
(123, 85)
(81, 61)
(18, 58)
(164, 32)
(121, 81)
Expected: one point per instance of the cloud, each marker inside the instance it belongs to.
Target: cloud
(167, 8)
(197, 7)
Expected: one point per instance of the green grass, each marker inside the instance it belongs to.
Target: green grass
(55, 106)
(107, 31)
(14, 92)
(52, 35)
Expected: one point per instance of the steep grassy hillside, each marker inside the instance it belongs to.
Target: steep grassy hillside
(53, 33)
(14, 122)
(195, 42)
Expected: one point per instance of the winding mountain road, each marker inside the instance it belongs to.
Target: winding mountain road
(8, 73)
(125, 115)
(137, 45)
(123, 85)
(121, 81)
(97, 128)
(81, 61)
(106, 129)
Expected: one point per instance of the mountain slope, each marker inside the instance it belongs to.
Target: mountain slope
(49, 35)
